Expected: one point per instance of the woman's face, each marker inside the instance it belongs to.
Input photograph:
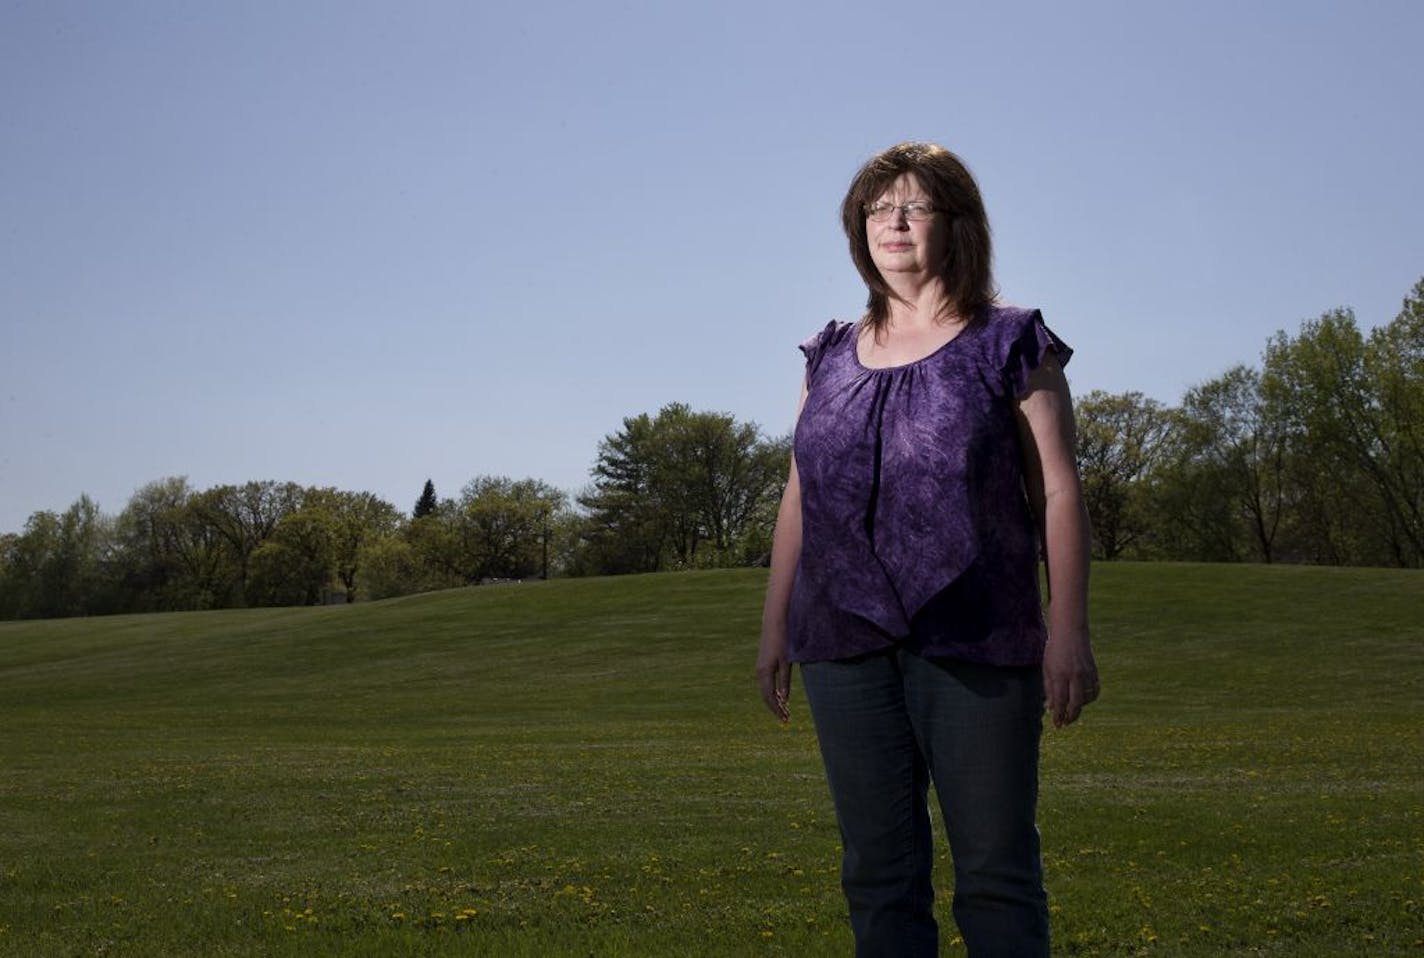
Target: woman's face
(899, 245)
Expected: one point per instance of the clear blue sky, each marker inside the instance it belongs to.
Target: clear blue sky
(362, 244)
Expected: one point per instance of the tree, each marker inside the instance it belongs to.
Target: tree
(502, 527)
(392, 568)
(717, 473)
(625, 525)
(427, 502)
(60, 565)
(356, 520)
(435, 544)
(12, 599)
(292, 566)
(1221, 483)
(1119, 440)
(1394, 366)
(681, 489)
(148, 533)
(29, 588)
(1351, 410)
(322, 541)
(245, 516)
(209, 578)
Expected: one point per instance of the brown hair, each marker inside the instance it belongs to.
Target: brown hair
(967, 270)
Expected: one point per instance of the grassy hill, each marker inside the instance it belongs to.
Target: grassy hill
(583, 768)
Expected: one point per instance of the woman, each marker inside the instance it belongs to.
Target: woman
(933, 457)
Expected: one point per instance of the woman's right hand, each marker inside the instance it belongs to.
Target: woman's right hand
(773, 668)
(774, 673)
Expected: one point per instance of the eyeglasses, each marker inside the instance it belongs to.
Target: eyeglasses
(916, 211)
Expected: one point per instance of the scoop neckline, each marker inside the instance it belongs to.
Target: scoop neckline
(974, 321)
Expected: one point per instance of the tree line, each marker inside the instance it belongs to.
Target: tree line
(1315, 456)
(681, 489)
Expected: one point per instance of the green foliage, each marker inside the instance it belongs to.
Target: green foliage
(436, 548)
(1317, 457)
(502, 526)
(682, 490)
(293, 565)
(1119, 440)
(625, 527)
(245, 517)
(1394, 367)
(263, 543)
(392, 569)
(59, 565)
(427, 503)
(153, 535)
(1351, 407)
(582, 767)
(353, 522)
(1219, 489)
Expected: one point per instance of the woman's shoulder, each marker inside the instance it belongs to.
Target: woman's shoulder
(1018, 340)
(1006, 324)
(1010, 317)
(828, 335)
(824, 342)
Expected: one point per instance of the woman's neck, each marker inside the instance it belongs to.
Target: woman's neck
(920, 305)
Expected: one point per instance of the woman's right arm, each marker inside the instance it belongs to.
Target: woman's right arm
(773, 669)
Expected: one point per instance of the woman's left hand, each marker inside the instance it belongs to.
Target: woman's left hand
(1070, 677)
(1047, 439)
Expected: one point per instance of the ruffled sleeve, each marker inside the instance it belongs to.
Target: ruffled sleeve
(815, 348)
(1028, 340)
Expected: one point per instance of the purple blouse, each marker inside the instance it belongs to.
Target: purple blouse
(915, 527)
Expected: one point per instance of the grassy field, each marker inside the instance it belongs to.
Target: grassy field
(583, 768)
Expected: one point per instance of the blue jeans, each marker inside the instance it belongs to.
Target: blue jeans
(891, 722)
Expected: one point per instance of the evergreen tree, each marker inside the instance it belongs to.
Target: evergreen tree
(426, 504)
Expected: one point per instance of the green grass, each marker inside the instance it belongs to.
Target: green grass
(583, 768)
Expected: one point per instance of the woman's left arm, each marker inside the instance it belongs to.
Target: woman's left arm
(1046, 434)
